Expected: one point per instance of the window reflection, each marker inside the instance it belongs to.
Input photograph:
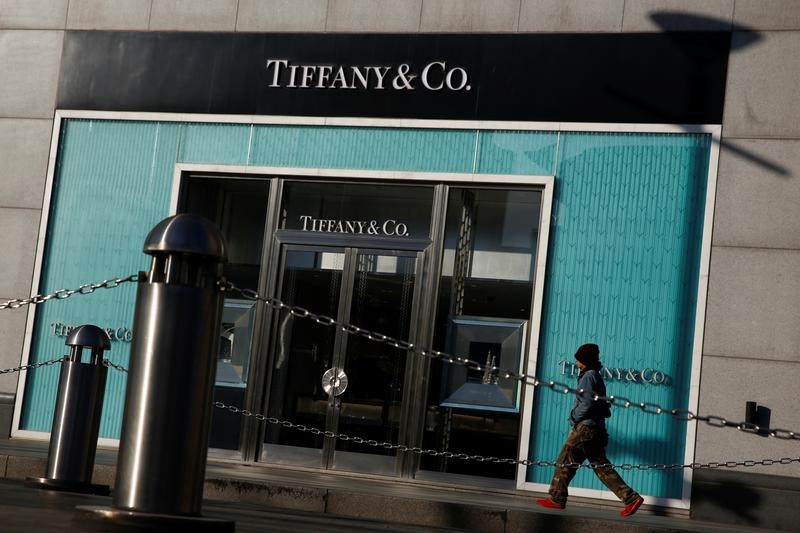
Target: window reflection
(484, 304)
(236, 332)
(475, 219)
(239, 208)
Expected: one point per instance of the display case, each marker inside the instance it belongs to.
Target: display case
(492, 342)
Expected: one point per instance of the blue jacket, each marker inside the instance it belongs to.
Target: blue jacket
(585, 410)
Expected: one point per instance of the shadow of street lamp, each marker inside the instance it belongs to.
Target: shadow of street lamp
(674, 22)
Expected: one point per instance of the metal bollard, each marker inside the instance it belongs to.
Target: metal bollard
(76, 421)
(164, 442)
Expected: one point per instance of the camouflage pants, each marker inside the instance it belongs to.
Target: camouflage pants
(587, 443)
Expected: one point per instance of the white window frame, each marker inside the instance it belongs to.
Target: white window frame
(547, 184)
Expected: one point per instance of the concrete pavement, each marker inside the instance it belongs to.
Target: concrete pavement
(271, 498)
(25, 509)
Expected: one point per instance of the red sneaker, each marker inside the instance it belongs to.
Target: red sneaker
(632, 507)
(550, 504)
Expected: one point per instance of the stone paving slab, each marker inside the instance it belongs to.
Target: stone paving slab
(25, 509)
(262, 498)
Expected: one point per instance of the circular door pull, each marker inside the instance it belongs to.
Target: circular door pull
(334, 381)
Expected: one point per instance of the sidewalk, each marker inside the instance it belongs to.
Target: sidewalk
(31, 510)
(263, 498)
(26, 509)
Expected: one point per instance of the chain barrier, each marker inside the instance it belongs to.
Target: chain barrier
(496, 460)
(32, 365)
(480, 458)
(49, 362)
(296, 311)
(447, 455)
(528, 379)
(62, 294)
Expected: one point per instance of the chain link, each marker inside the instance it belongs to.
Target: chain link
(61, 294)
(529, 379)
(107, 363)
(30, 366)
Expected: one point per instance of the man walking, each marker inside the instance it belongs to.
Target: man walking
(588, 438)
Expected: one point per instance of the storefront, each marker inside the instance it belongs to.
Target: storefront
(434, 189)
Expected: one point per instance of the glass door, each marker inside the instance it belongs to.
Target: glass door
(239, 208)
(380, 300)
(311, 277)
(374, 290)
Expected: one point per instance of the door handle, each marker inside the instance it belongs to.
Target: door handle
(334, 381)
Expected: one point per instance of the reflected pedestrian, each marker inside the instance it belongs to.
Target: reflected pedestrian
(588, 438)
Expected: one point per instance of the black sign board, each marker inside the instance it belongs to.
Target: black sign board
(676, 78)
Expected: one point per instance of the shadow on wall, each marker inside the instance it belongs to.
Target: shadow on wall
(745, 37)
(659, 450)
(633, 447)
(763, 420)
(729, 496)
(760, 416)
(735, 498)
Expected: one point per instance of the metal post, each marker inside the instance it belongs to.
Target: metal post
(76, 421)
(168, 401)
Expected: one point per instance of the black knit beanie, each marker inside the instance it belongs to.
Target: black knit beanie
(589, 355)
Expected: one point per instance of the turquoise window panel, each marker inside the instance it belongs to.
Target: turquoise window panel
(112, 184)
(623, 270)
(364, 148)
(517, 152)
(221, 144)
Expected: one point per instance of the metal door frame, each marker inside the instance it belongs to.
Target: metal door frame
(288, 240)
(262, 354)
(257, 392)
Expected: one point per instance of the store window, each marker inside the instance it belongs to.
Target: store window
(239, 208)
(628, 209)
(484, 306)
